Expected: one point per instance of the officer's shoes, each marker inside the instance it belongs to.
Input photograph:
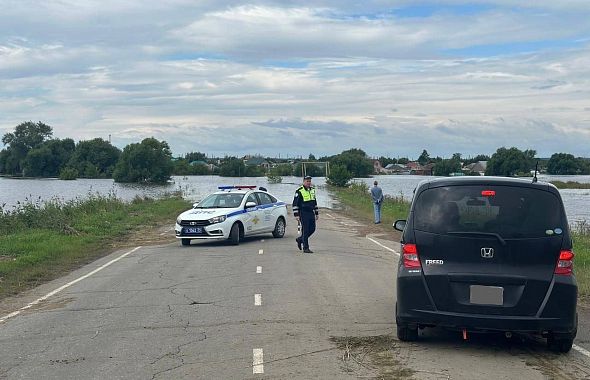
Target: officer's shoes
(307, 250)
(298, 240)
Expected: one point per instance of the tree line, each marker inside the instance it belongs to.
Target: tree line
(31, 151)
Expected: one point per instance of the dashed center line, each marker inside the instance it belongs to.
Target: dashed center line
(257, 299)
(257, 361)
(260, 251)
(258, 269)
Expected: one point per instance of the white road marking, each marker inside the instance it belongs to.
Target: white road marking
(258, 270)
(581, 350)
(257, 299)
(54, 292)
(257, 361)
(381, 245)
(260, 251)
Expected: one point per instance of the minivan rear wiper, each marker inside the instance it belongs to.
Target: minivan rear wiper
(480, 234)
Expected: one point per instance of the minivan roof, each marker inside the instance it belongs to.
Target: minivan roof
(485, 180)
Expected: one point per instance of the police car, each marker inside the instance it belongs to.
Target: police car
(233, 213)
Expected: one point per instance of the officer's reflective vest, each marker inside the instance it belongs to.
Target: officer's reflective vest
(308, 195)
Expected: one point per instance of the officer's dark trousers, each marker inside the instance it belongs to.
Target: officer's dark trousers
(307, 227)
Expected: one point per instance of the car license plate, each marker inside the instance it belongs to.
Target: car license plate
(193, 230)
(486, 295)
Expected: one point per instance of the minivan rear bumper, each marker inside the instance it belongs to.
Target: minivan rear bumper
(487, 322)
(557, 314)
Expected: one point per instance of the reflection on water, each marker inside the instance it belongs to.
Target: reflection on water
(194, 188)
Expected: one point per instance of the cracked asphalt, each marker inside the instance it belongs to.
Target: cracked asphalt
(173, 312)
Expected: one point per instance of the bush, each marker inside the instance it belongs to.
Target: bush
(339, 176)
(147, 162)
(68, 174)
(274, 178)
(282, 170)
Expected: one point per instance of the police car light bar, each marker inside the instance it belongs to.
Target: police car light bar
(235, 187)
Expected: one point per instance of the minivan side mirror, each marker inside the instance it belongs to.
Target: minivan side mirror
(399, 224)
(195, 204)
(250, 204)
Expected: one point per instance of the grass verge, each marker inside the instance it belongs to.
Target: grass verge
(357, 201)
(570, 185)
(582, 262)
(40, 242)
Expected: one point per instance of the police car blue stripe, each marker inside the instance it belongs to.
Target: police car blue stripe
(235, 213)
(260, 207)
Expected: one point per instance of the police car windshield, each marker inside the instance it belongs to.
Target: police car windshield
(226, 200)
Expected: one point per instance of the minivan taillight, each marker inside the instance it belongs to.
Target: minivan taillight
(410, 253)
(565, 264)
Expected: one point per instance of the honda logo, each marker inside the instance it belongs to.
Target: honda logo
(487, 253)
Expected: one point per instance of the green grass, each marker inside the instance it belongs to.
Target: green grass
(582, 262)
(39, 243)
(357, 199)
(570, 185)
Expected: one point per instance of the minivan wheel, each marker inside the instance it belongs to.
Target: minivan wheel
(560, 344)
(279, 230)
(234, 234)
(185, 242)
(406, 333)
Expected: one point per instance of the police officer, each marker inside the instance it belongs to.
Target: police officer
(305, 209)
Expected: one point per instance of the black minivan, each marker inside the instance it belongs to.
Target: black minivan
(487, 254)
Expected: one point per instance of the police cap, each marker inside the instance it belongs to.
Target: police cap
(307, 177)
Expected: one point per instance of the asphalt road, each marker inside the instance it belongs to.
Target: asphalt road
(258, 310)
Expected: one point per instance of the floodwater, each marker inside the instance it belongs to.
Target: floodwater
(194, 188)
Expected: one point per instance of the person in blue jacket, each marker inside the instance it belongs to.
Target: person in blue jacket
(377, 196)
(305, 209)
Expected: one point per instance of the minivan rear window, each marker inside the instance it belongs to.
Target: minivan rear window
(512, 212)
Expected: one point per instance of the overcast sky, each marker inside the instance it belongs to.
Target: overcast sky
(292, 78)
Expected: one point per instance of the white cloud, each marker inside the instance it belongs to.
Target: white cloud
(251, 30)
(226, 77)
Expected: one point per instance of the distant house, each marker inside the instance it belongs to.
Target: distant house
(478, 167)
(397, 169)
(417, 169)
(257, 161)
(199, 162)
(428, 169)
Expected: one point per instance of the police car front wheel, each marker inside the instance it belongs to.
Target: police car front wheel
(234, 234)
(279, 230)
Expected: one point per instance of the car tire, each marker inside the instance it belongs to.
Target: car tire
(561, 344)
(407, 333)
(234, 234)
(279, 230)
(185, 242)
